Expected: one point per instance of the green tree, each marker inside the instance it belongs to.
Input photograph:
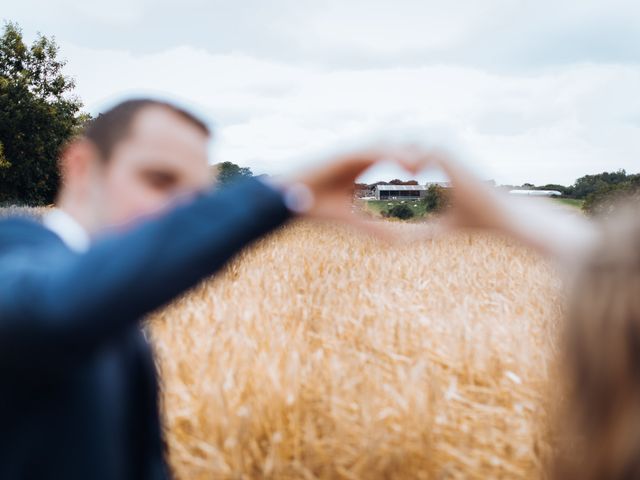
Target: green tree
(38, 115)
(400, 210)
(229, 172)
(436, 199)
(589, 184)
(608, 199)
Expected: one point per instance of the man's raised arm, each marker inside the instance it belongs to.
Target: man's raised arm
(63, 309)
(57, 311)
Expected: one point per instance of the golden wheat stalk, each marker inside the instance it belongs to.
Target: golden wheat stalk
(322, 355)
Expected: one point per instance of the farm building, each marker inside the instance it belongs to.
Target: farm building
(400, 192)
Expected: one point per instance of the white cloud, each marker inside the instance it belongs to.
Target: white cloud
(503, 34)
(552, 126)
(535, 91)
(380, 26)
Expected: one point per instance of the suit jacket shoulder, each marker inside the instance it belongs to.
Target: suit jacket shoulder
(23, 232)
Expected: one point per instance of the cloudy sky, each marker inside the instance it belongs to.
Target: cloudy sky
(540, 91)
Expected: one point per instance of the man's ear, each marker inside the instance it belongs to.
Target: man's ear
(77, 160)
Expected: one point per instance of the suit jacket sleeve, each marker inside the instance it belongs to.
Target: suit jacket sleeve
(54, 313)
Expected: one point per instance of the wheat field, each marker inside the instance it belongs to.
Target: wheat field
(318, 354)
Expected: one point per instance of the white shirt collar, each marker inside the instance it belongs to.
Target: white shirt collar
(68, 229)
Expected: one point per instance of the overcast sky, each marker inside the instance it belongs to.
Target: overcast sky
(540, 91)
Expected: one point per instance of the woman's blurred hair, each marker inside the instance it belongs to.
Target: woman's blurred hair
(601, 421)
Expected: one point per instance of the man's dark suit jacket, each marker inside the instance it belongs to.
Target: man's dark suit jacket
(78, 391)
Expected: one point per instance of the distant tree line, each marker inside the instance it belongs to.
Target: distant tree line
(606, 198)
(395, 181)
(228, 172)
(601, 193)
(588, 184)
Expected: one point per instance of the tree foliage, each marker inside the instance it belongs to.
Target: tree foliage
(590, 184)
(436, 199)
(609, 198)
(595, 186)
(38, 115)
(400, 210)
(229, 172)
(397, 181)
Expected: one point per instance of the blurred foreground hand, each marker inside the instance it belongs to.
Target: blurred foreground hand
(539, 223)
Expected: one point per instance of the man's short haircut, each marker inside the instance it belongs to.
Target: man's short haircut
(111, 127)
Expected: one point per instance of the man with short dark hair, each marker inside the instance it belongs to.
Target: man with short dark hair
(136, 224)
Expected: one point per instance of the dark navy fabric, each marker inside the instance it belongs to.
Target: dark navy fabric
(78, 389)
